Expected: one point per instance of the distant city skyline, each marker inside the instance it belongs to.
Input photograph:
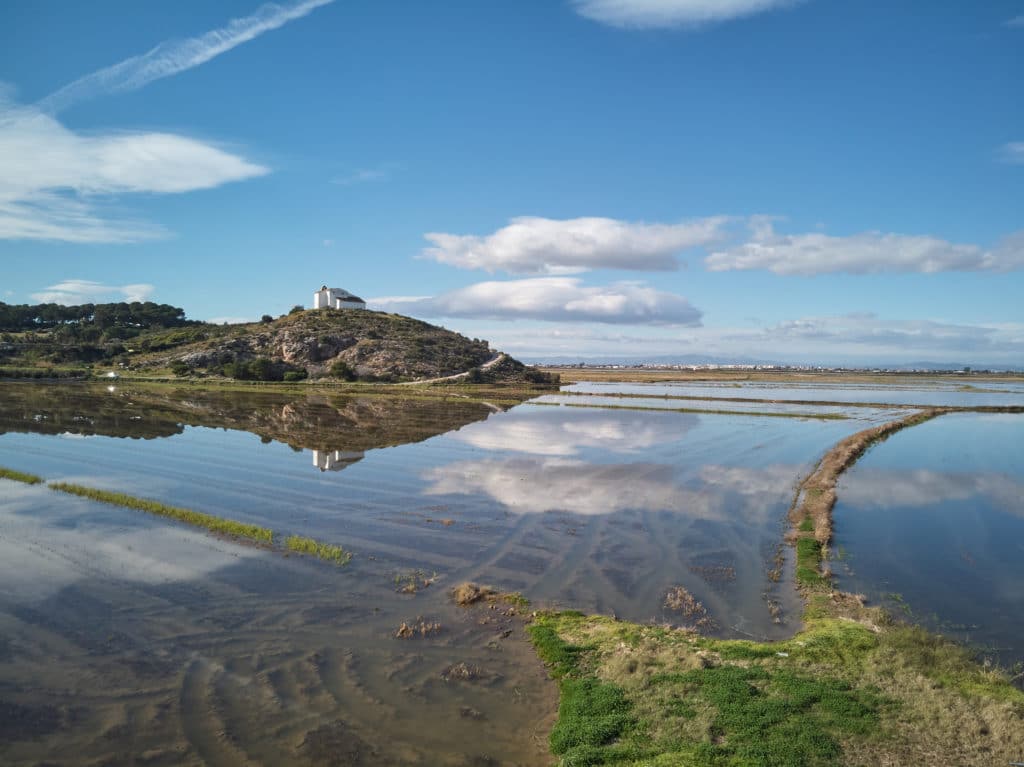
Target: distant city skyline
(794, 181)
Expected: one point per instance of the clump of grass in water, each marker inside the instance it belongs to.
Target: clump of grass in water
(188, 516)
(466, 594)
(412, 581)
(327, 551)
(20, 476)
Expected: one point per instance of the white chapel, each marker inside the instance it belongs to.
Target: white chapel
(336, 298)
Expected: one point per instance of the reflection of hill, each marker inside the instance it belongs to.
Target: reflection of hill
(320, 422)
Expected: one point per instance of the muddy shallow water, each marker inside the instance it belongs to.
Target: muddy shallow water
(128, 640)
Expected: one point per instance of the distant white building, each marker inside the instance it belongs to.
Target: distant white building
(336, 298)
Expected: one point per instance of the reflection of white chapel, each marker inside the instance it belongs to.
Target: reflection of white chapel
(336, 298)
(336, 460)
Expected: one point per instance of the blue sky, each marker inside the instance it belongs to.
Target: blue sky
(822, 180)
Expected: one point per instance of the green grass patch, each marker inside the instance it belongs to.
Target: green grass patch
(561, 656)
(808, 563)
(327, 551)
(776, 717)
(20, 476)
(807, 525)
(688, 700)
(188, 516)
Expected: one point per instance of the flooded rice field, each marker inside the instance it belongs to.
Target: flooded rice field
(931, 523)
(910, 392)
(128, 638)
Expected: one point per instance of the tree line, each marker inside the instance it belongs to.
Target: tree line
(136, 314)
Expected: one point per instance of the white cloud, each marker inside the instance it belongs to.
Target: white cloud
(865, 253)
(868, 337)
(554, 299)
(1016, 22)
(73, 292)
(854, 339)
(171, 57)
(55, 181)
(646, 14)
(532, 245)
(1013, 152)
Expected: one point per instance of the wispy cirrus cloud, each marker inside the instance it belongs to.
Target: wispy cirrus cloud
(553, 299)
(57, 184)
(174, 56)
(1017, 22)
(1013, 151)
(74, 291)
(534, 245)
(864, 253)
(648, 14)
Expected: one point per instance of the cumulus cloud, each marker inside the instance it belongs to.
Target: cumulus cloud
(74, 292)
(170, 58)
(646, 14)
(532, 245)
(55, 182)
(865, 253)
(1013, 152)
(553, 299)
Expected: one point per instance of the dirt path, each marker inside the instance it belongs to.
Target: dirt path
(500, 356)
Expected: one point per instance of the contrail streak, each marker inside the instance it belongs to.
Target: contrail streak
(174, 56)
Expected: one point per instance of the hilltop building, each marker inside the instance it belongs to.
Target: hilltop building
(336, 298)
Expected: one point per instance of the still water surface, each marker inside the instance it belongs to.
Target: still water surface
(123, 634)
(932, 522)
(922, 392)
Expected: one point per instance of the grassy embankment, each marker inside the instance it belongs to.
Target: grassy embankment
(218, 525)
(20, 476)
(852, 687)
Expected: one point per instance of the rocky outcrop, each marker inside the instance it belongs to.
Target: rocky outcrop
(357, 344)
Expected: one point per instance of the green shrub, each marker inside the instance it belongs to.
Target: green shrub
(343, 370)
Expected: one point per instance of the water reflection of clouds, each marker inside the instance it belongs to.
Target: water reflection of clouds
(887, 489)
(538, 485)
(554, 432)
(49, 541)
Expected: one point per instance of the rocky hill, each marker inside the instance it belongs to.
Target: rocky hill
(351, 345)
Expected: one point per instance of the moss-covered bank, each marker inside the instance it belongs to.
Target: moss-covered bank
(845, 690)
